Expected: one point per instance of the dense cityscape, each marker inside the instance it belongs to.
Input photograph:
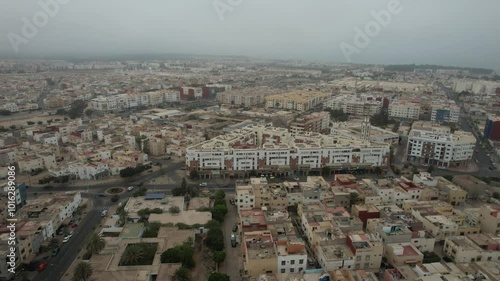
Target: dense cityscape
(232, 169)
(233, 140)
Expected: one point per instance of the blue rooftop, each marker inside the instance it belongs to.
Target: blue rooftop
(152, 196)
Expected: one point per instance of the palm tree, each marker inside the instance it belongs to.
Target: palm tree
(132, 255)
(83, 271)
(95, 243)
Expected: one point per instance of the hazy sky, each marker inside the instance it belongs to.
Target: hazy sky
(448, 32)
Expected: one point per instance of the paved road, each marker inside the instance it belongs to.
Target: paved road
(70, 250)
(231, 266)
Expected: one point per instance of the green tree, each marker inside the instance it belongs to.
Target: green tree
(213, 224)
(115, 198)
(354, 198)
(82, 272)
(218, 256)
(448, 177)
(216, 276)
(151, 230)
(220, 195)
(39, 122)
(144, 213)
(174, 210)
(132, 255)
(77, 108)
(215, 240)
(179, 254)
(496, 195)
(219, 212)
(61, 111)
(193, 174)
(184, 184)
(30, 123)
(182, 274)
(95, 243)
(89, 112)
(123, 216)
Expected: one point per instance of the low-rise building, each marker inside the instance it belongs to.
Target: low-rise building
(259, 253)
(398, 254)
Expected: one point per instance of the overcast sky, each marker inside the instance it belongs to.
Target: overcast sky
(447, 32)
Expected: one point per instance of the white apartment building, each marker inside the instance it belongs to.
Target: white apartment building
(276, 150)
(172, 96)
(445, 113)
(12, 107)
(362, 105)
(292, 257)
(404, 110)
(441, 148)
(127, 101)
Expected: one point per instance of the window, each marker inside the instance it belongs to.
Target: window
(300, 269)
(358, 258)
(292, 269)
(292, 262)
(301, 261)
(283, 262)
(283, 270)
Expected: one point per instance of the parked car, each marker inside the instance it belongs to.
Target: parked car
(166, 158)
(232, 202)
(104, 213)
(74, 225)
(235, 228)
(66, 239)
(203, 184)
(101, 195)
(296, 179)
(140, 184)
(42, 266)
(55, 252)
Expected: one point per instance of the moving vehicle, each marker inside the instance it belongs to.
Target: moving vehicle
(203, 184)
(233, 240)
(130, 188)
(66, 239)
(42, 266)
(104, 213)
(55, 252)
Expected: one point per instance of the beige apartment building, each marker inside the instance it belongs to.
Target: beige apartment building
(259, 253)
(297, 100)
(403, 254)
(489, 217)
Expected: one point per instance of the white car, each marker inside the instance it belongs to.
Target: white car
(130, 188)
(203, 184)
(66, 239)
(296, 179)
